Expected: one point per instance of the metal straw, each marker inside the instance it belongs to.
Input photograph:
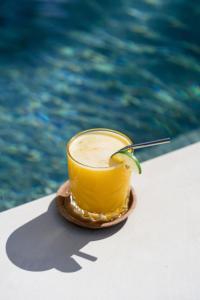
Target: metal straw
(145, 144)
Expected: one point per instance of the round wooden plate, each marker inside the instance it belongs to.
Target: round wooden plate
(65, 209)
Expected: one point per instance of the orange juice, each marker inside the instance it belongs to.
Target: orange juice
(96, 186)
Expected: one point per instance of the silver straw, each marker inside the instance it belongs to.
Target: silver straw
(145, 144)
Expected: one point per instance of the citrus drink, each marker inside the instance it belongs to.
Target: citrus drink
(96, 185)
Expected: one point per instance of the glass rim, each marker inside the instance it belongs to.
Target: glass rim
(91, 130)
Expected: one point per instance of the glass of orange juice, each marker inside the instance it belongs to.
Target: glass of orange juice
(99, 190)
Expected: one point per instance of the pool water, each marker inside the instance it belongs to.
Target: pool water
(66, 66)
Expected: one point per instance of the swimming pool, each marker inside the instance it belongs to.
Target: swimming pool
(67, 66)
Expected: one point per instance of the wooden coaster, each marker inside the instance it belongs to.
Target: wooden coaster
(65, 209)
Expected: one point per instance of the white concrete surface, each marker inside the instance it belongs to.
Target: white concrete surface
(155, 255)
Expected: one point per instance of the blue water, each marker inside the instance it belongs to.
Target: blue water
(67, 66)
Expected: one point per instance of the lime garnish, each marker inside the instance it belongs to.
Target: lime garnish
(128, 159)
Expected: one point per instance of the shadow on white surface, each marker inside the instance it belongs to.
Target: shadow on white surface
(49, 241)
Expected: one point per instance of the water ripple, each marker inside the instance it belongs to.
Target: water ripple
(67, 66)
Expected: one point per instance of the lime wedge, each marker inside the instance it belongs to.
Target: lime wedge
(128, 159)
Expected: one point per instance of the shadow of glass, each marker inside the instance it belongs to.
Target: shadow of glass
(49, 241)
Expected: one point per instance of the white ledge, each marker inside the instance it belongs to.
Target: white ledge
(154, 255)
